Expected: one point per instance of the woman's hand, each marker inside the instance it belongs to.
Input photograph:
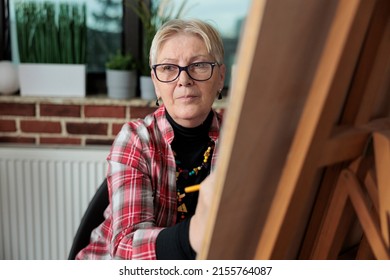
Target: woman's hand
(198, 221)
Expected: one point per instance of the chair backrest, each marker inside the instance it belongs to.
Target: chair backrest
(93, 217)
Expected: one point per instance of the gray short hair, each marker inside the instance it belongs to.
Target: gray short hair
(205, 31)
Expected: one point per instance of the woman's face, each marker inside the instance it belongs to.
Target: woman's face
(188, 101)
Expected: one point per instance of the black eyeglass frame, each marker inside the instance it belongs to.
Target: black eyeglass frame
(185, 68)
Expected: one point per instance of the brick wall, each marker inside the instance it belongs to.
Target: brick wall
(75, 121)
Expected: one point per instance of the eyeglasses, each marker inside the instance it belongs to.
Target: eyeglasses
(198, 71)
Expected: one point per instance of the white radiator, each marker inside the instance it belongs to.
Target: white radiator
(43, 195)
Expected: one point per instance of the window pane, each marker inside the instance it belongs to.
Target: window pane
(104, 23)
(104, 34)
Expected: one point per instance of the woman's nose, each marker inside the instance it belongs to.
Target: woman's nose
(185, 79)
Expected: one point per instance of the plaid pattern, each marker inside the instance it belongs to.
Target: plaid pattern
(142, 189)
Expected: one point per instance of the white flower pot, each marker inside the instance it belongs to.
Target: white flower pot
(147, 88)
(9, 82)
(121, 84)
(62, 80)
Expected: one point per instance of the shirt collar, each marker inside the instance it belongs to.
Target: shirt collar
(167, 130)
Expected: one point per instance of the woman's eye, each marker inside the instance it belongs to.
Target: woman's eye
(199, 65)
(168, 68)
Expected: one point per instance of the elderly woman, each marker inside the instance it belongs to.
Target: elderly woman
(150, 216)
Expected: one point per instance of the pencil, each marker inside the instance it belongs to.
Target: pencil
(193, 188)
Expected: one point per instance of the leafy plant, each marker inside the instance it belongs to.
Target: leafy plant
(121, 61)
(152, 18)
(51, 33)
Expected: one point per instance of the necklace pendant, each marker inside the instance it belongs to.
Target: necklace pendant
(182, 208)
(180, 196)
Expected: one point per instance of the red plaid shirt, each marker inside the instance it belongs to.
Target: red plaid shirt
(142, 189)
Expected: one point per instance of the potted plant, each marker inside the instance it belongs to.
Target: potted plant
(152, 18)
(121, 77)
(52, 48)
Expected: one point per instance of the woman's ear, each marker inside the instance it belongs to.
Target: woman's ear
(155, 83)
(222, 73)
(152, 75)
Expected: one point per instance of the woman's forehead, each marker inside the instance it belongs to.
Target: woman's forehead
(182, 44)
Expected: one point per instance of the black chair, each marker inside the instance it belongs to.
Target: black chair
(92, 218)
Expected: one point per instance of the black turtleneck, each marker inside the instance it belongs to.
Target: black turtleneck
(189, 145)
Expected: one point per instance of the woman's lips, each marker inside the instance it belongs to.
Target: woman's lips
(188, 97)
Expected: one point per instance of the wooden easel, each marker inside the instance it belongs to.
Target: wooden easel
(312, 85)
(362, 190)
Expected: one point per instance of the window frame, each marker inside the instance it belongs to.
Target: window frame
(5, 49)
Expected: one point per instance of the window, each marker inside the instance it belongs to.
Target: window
(113, 26)
(104, 21)
(104, 36)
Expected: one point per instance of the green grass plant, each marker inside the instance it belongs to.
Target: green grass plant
(121, 61)
(51, 32)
